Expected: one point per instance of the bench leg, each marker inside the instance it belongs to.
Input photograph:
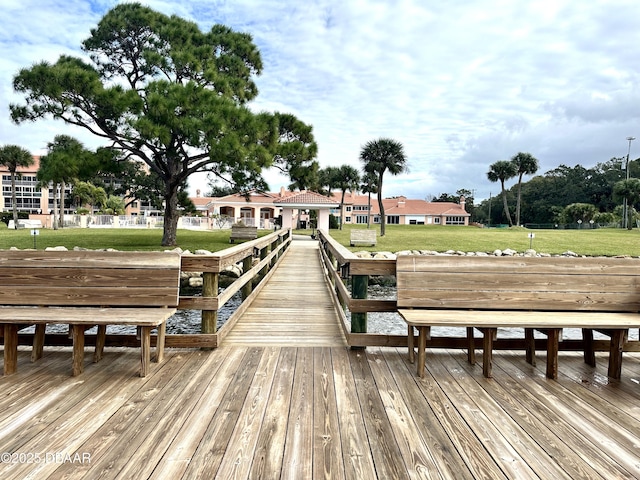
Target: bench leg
(589, 352)
(553, 338)
(423, 333)
(411, 344)
(100, 341)
(10, 349)
(38, 342)
(489, 335)
(145, 350)
(471, 346)
(530, 344)
(77, 358)
(162, 330)
(615, 353)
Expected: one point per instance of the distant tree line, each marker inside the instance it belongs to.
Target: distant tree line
(568, 194)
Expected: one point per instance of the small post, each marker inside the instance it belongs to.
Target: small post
(246, 266)
(209, 289)
(359, 286)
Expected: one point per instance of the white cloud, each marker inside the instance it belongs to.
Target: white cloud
(461, 84)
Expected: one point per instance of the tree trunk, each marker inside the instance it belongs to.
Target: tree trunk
(342, 210)
(61, 216)
(14, 199)
(170, 215)
(506, 206)
(369, 212)
(381, 207)
(518, 200)
(55, 206)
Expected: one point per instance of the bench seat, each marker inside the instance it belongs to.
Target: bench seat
(362, 238)
(535, 293)
(551, 323)
(80, 319)
(85, 289)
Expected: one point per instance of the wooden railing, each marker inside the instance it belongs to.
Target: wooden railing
(258, 257)
(341, 265)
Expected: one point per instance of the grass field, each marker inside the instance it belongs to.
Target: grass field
(609, 242)
(603, 241)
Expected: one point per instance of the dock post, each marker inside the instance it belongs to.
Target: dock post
(246, 266)
(209, 322)
(359, 286)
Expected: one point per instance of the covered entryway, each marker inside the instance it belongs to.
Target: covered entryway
(306, 201)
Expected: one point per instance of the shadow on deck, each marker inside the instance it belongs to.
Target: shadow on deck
(287, 412)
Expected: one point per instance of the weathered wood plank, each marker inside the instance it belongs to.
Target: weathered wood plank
(327, 446)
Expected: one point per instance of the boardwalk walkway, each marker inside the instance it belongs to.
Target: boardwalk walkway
(294, 308)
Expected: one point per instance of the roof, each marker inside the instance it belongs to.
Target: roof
(306, 199)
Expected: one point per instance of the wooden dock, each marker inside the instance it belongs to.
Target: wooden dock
(294, 308)
(322, 412)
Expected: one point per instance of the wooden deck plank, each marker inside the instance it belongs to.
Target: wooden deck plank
(267, 459)
(384, 447)
(329, 412)
(327, 447)
(358, 461)
(183, 446)
(213, 445)
(298, 450)
(578, 424)
(242, 444)
(417, 459)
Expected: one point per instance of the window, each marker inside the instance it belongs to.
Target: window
(393, 219)
(455, 220)
(361, 208)
(361, 219)
(347, 219)
(347, 209)
(436, 220)
(376, 219)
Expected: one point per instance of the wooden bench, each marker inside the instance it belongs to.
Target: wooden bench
(362, 238)
(86, 289)
(545, 294)
(243, 233)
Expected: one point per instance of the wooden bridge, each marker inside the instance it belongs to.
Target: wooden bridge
(279, 399)
(295, 307)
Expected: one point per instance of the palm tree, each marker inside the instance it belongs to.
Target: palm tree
(369, 186)
(61, 166)
(526, 164)
(378, 157)
(503, 170)
(13, 157)
(348, 179)
(629, 189)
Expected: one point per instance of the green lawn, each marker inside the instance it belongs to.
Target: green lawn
(602, 241)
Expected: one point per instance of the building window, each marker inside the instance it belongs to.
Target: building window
(347, 209)
(361, 208)
(347, 219)
(361, 219)
(393, 219)
(455, 220)
(376, 219)
(436, 220)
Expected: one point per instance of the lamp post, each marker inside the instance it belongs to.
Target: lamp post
(624, 204)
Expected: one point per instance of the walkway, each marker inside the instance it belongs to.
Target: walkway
(294, 308)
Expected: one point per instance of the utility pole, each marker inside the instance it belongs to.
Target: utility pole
(625, 207)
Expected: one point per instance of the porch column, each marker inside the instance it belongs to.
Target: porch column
(287, 217)
(323, 220)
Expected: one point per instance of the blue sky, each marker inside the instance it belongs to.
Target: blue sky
(461, 84)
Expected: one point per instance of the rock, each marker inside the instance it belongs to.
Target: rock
(497, 252)
(176, 250)
(482, 254)
(530, 253)
(195, 282)
(203, 252)
(569, 253)
(508, 252)
(405, 252)
(56, 249)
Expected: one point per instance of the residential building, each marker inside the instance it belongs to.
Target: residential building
(261, 209)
